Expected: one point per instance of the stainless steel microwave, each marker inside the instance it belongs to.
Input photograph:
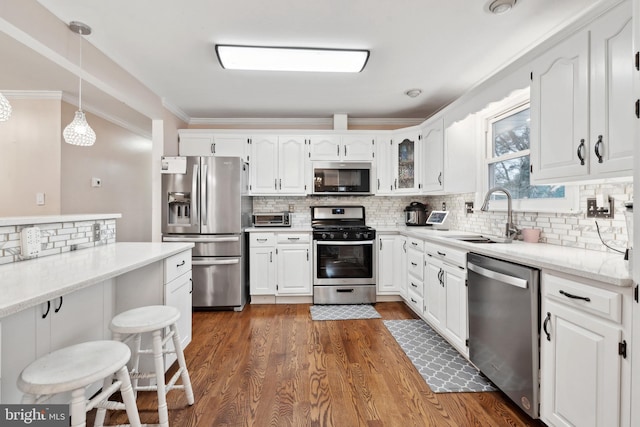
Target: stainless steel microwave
(342, 178)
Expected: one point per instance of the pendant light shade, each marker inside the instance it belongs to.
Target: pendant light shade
(78, 132)
(5, 108)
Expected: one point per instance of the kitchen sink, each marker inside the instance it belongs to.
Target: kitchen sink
(480, 239)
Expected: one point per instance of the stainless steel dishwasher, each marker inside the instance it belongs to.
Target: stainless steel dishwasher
(504, 327)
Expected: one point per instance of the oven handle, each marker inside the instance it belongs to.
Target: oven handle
(216, 262)
(504, 278)
(347, 243)
(202, 239)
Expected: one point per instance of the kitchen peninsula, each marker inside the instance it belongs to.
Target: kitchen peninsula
(60, 299)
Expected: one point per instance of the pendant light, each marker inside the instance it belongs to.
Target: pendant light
(5, 108)
(78, 132)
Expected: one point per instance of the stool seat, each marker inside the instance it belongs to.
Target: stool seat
(73, 367)
(144, 319)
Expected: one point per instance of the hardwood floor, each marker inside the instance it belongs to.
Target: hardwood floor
(271, 365)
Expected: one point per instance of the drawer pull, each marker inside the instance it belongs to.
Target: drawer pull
(414, 264)
(293, 238)
(261, 240)
(414, 243)
(181, 264)
(441, 253)
(568, 295)
(414, 285)
(414, 301)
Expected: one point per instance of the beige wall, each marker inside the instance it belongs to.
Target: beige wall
(123, 162)
(30, 159)
(170, 126)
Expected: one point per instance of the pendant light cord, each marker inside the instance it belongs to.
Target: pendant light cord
(80, 84)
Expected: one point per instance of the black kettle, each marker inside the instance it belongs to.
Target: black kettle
(415, 214)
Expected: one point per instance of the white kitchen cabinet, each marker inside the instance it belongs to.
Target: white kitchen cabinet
(582, 105)
(385, 166)
(194, 142)
(83, 315)
(433, 173)
(406, 160)
(293, 276)
(401, 270)
(178, 293)
(414, 275)
(445, 282)
(279, 165)
(280, 264)
(461, 154)
(347, 147)
(583, 373)
(262, 266)
(389, 262)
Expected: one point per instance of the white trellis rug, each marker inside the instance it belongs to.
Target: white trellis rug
(343, 312)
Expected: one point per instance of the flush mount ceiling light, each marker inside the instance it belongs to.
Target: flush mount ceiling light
(264, 58)
(412, 93)
(501, 6)
(5, 108)
(78, 132)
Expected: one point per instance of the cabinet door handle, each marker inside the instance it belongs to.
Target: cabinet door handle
(544, 326)
(395, 183)
(638, 108)
(440, 178)
(380, 244)
(293, 238)
(378, 183)
(213, 148)
(338, 147)
(580, 152)
(46, 313)
(307, 254)
(181, 264)
(270, 256)
(568, 295)
(280, 182)
(597, 149)
(275, 184)
(57, 309)
(404, 246)
(191, 290)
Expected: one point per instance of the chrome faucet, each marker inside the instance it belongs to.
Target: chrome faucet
(511, 230)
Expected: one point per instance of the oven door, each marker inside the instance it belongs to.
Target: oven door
(343, 263)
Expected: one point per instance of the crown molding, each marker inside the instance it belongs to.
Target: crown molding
(402, 122)
(32, 94)
(175, 110)
(302, 122)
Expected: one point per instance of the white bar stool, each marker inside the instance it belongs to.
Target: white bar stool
(75, 367)
(130, 325)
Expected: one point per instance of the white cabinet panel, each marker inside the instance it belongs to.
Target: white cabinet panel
(433, 157)
(294, 269)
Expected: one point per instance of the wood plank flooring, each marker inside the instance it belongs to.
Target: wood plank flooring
(271, 365)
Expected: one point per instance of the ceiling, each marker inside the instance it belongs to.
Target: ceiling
(444, 48)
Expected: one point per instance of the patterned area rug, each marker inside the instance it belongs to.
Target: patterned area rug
(441, 366)
(343, 312)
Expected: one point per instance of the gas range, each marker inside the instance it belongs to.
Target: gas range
(340, 223)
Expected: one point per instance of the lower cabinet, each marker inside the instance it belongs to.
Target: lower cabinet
(280, 264)
(445, 281)
(178, 293)
(80, 316)
(583, 361)
(389, 259)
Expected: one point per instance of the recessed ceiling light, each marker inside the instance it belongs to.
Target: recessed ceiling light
(412, 93)
(501, 6)
(264, 58)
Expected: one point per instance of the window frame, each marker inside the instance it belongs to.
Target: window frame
(515, 103)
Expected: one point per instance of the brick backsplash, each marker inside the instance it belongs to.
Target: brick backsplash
(565, 229)
(56, 238)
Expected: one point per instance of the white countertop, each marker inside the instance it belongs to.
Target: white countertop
(49, 219)
(606, 267)
(28, 283)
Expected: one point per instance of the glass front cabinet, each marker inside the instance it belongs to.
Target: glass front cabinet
(407, 165)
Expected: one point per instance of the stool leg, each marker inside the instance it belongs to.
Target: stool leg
(102, 412)
(135, 357)
(29, 399)
(158, 358)
(78, 409)
(186, 381)
(128, 397)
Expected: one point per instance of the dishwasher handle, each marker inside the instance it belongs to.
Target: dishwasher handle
(504, 278)
(217, 262)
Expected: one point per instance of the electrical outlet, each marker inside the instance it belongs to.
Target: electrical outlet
(96, 232)
(96, 182)
(468, 206)
(30, 242)
(595, 211)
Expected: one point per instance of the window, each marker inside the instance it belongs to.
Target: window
(507, 161)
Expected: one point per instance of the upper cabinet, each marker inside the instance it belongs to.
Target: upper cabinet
(196, 143)
(433, 156)
(582, 105)
(281, 168)
(398, 163)
(342, 147)
(462, 151)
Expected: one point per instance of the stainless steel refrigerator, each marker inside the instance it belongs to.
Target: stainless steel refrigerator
(207, 204)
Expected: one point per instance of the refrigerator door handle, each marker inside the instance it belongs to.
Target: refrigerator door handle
(194, 197)
(201, 239)
(205, 204)
(216, 262)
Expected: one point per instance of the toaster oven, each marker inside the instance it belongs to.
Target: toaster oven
(278, 219)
